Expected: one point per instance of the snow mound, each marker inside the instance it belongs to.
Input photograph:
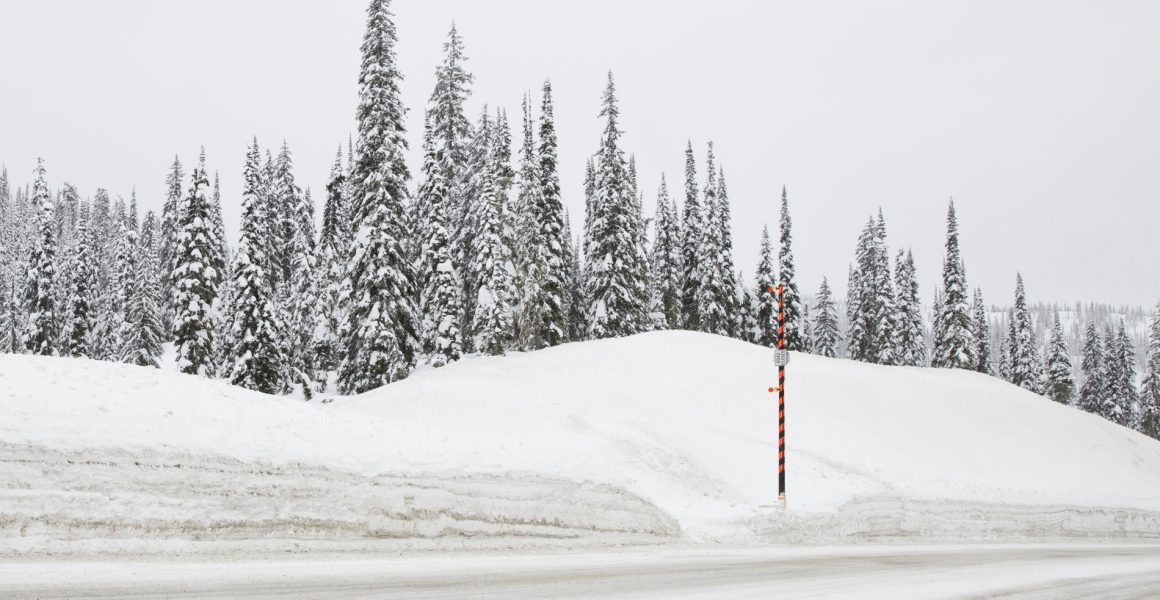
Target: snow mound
(661, 436)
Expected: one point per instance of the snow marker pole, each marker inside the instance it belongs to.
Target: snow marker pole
(781, 397)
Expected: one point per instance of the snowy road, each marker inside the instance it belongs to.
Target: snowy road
(1008, 571)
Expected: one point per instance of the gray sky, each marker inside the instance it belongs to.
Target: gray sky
(1041, 119)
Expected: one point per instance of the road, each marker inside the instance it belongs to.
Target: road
(1006, 571)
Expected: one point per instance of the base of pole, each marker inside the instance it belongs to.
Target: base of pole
(780, 505)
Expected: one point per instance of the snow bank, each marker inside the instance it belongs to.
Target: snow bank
(656, 437)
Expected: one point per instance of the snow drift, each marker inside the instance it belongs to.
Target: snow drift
(661, 436)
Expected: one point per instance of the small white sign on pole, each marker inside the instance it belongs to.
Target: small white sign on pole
(780, 357)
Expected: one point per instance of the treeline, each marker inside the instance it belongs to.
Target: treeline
(481, 257)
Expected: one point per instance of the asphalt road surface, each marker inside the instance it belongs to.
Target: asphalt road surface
(1104, 571)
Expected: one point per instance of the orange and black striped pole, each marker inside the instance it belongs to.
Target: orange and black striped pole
(781, 395)
(780, 358)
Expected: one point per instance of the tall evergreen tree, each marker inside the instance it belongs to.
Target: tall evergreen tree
(142, 340)
(666, 262)
(1057, 369)
(826, 335)
(1120, 362)
(692, 228)
(530, 250)
(441, 335)
(452, 138)
(79, 321)
(333, 248)
(788, 278)
(170, 215)
(257, 360)
(577, 301)
(41, 332)
(766, 300)
(713, 301)
(617, 292)
(553, 233)
(194, 280)
(870, 339)
(379, 342)
(981, 329)
(909, 332)
(1149, 418)
(1025, 364)
(746, 328)
(954, 343)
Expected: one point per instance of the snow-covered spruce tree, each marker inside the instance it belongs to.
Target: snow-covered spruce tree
(712, 304)
(853, 299)
(257, 360)
(221, 255)
(766, 301)
(746, 328)
(286, 225)
(616, 289)
(40, 334)
(1149, 417)
(574, 280)
(466, 235)
(298, 310)
(167, 252)
(379, 341)
(807, 331)
(1026, 368)
(492, 265)
(441, 334)
(530, 249)
(692, 228)
(954, 341)
(909, 332)
(1122, 378)
(452, 137)
(786, 276)
(333, 248)
(826, 334)
(79, 319)
(1057, 366)
(728, 270)
(871, 322)
(666, 263)
(981, 329)
(113, 325)
(194, 280)
(553, 233)
(142, 338)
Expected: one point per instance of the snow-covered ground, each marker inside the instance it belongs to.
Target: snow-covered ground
(660, 437)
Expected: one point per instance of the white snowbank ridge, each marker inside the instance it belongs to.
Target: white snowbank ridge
(661, 436)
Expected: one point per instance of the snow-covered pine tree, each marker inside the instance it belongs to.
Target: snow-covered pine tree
(981, 329)
(113, 326)
(1057, 369)
(441, 334)
(530, 250)
(467, 234)
(379, 342)
(954, 341)
(746, 328)
(666, 262)
(194, 280)
(826, 334)
(452, 137)
(1149, 417)
(728, 269)
(492, 315)
(333, 249)
(1124, 382)
(1024, 363)
(692, 228)
(909, 332)
(577, 302)
(807, 330)
(871, 338)
(257, 360)
(555, 236)
(142, 338)
(79, 319)
(712, 302)
(786, 276)
(616, 290)
(167, 253)
(854, 331)
(765, 300)
(221, 255)
(41, 332)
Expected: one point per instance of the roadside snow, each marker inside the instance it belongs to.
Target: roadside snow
(656, 437)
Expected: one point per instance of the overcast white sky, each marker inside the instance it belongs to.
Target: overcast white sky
(1041, 119)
